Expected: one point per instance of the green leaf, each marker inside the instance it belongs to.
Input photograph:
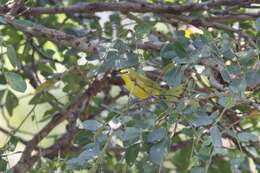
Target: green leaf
(246, 137)
(12, 56)
(9, 171)
(257, 24)
(12, 143)
(173, 94)
(2, 92)
(15, 81)
(225, 75)
(131, 135)
(204, 153)
(143, 29)
(247, 57)
(197, 170)
(220, 151)
(101, 139)
(119, 59)
(174, 76)
(222, 166)
(1, 40)
(215, 137)
(131, 154)
(227, 101)
(235, 163)
(203, 120)
(253, 78)
(171, 51)
(182, 159)
(83, 137)
(126, 60)
(120, 46)
(226, 49)
(24, 22)
(131, 60)
(109, 62)
(115, 19)
(167, 51)
(45, 86)
(158, 151)
(157, 135)
(91, 125)
(2, 20)
(2, 80)
(11, 102)
(3, 164)
(144, 166)
(73, 81)
(42, 98)
(238, 85)
(45, 69)
(205, 51)
(91, 152)
(180, 50)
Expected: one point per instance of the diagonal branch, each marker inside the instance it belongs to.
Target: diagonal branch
(206, 23)
(16, 7)
(234, 17)
(71, 114)
(10, 134)
(56, 36)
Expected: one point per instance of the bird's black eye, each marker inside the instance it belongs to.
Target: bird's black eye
(116, 78)
(115, 73)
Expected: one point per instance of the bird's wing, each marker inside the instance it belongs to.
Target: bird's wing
(143, 80)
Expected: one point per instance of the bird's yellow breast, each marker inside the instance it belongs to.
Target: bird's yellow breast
(138, 85)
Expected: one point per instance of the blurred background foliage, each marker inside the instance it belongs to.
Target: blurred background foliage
(211, 126)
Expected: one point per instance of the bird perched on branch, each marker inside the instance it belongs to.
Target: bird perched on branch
(143, 87)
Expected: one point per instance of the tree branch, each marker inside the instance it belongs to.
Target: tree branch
(131, 7)
(10, 134)
(205, 23)
(16, 7)
(53, 35)
(71, 113)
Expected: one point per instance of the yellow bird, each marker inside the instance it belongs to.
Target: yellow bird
(142, 87)
(139, 85)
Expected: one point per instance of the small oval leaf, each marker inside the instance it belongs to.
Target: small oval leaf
(157, 135)
(15, 81)
(12, 56)
(157, 152)
(91, 125)
(246, 137)
(11, 102)
(131, 154)
(215, 137)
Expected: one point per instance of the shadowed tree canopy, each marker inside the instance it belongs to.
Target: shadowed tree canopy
(58, 62)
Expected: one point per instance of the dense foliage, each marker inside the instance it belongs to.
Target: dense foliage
(61, 55)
